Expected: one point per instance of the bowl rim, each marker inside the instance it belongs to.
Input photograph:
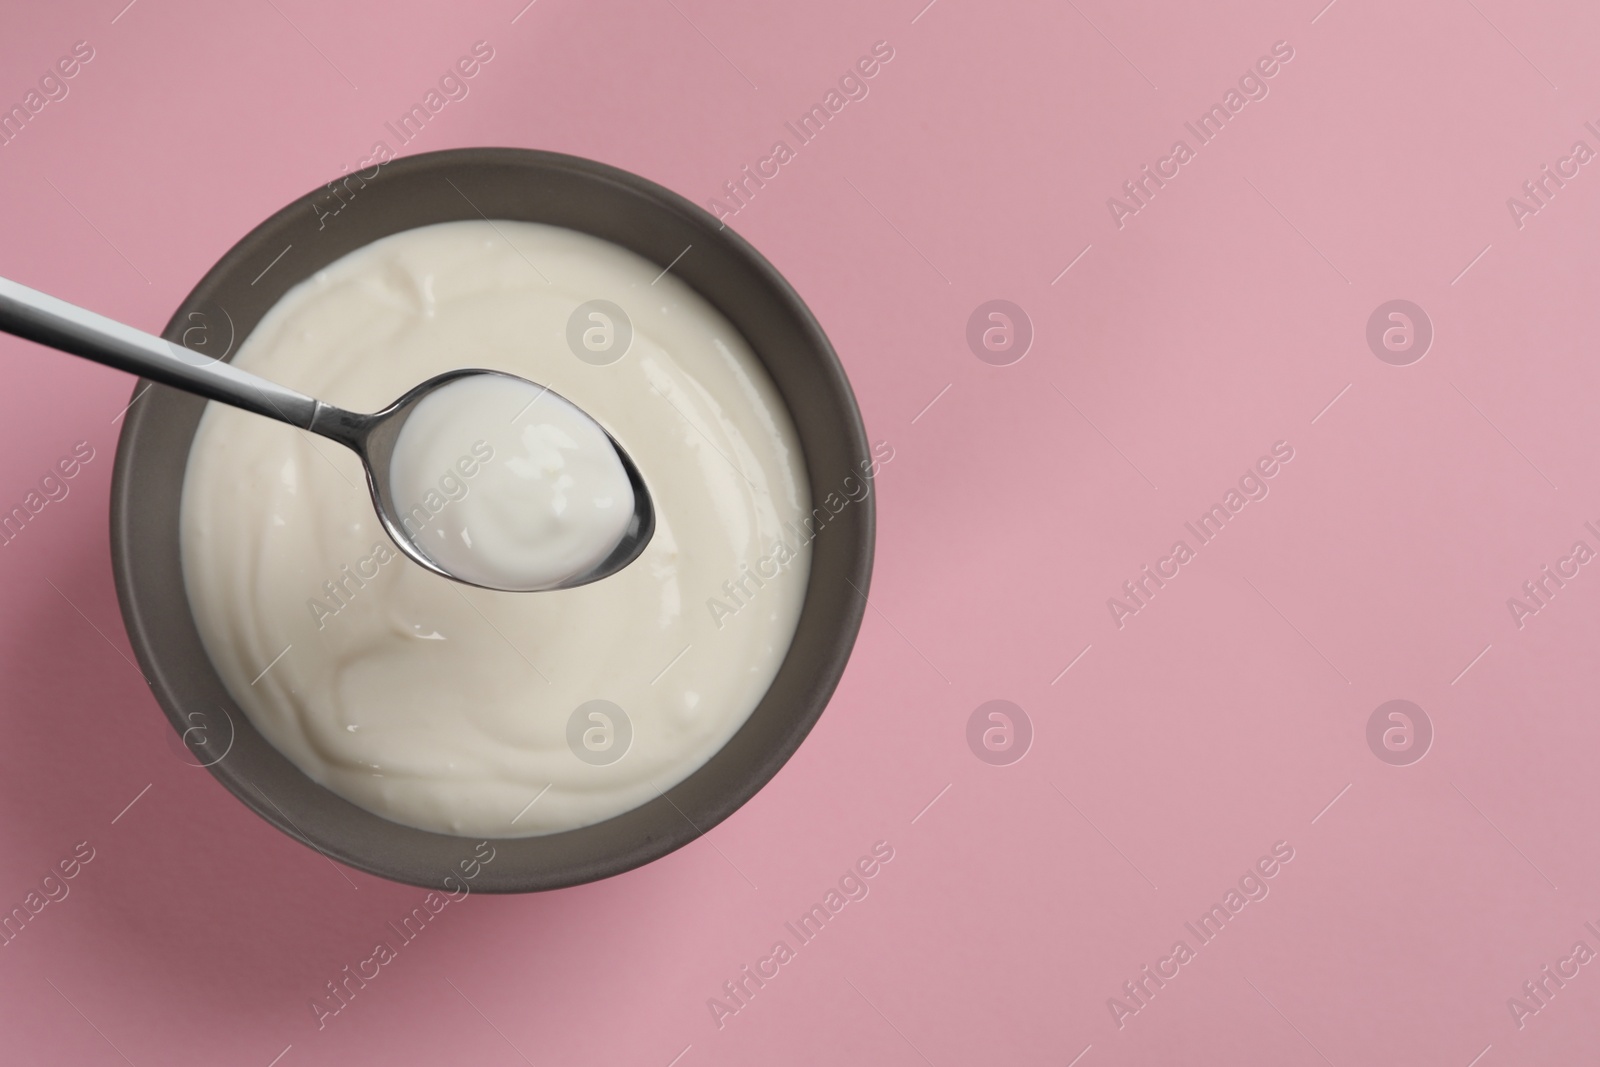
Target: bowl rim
(707, 807)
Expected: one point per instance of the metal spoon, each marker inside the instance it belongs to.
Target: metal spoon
(39, 317)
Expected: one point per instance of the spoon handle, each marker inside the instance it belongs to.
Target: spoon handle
(40, 317)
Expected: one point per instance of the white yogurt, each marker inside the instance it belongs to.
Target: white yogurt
(550, 505)
(464, 710)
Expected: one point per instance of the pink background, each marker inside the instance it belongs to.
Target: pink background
(1224, 717)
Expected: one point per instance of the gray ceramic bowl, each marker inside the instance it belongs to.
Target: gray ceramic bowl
(497, 183)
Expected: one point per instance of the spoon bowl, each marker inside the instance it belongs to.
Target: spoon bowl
(373, 437)
(50, 321)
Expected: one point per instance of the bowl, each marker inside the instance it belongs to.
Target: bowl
(493, 183)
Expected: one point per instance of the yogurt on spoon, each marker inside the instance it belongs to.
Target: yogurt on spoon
(505, 484)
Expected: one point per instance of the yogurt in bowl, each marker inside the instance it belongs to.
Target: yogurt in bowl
(447, 707)
(588, 730)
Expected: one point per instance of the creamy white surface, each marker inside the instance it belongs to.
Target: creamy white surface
(550, 502)
(443, 706)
